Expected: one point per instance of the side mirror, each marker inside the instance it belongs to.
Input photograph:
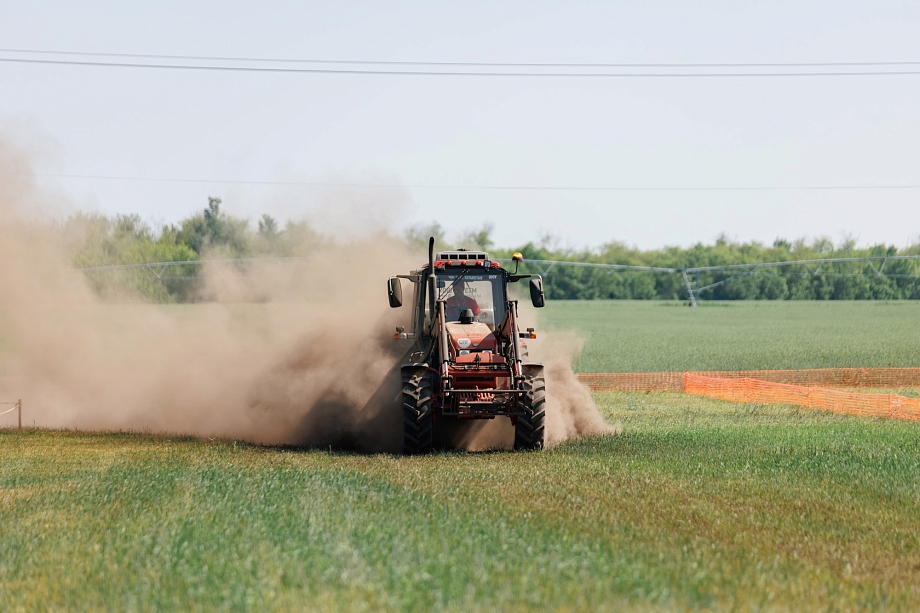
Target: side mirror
(394, 292)
(536, 292)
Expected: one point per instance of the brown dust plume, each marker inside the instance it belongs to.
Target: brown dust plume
(296, 353)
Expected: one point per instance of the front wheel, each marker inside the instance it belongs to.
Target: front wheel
(530, 429)
(417, 417)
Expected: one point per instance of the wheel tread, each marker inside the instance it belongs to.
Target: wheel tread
(417, 417)
(530, 429)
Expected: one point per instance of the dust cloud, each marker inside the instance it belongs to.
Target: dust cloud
(294, 354)
(570, 410)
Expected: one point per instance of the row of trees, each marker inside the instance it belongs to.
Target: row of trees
(98, 240)
(842, 281)
(838, 281)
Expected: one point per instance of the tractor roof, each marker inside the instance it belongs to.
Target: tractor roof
(462, 258)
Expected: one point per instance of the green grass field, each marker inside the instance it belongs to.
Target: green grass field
(699, 505)
(636, 336)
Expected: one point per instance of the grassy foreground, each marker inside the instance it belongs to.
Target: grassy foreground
(699, 505)
(635, 336)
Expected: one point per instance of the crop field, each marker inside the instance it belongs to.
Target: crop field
(698, 505)
(639, 336)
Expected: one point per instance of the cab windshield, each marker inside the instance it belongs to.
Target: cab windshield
(482, 293)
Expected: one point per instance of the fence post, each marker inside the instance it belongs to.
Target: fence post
(19, 406)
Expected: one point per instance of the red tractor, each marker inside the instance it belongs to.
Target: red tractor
(466, 359)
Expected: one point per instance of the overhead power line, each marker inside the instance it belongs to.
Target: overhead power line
(814, 265)
(456, 73)
(213, 58)
(546, 188)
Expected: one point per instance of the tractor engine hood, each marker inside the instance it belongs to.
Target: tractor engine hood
(471, 337)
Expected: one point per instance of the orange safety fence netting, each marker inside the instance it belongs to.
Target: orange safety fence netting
(633, 381)
(768, 392)
(828, 377)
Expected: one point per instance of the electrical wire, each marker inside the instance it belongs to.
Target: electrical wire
(546, 188)
(481, 64)
(446, 73)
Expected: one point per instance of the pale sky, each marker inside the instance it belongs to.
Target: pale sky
(482, 131)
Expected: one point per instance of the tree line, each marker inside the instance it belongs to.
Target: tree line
(98, 240)
(900, 279)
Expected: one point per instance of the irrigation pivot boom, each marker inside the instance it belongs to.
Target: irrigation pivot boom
(690, 274)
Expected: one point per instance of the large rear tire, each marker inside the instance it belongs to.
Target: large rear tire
(417, 418)
(530, 429)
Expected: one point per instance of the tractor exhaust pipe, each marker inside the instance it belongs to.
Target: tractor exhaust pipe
(432, 280)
